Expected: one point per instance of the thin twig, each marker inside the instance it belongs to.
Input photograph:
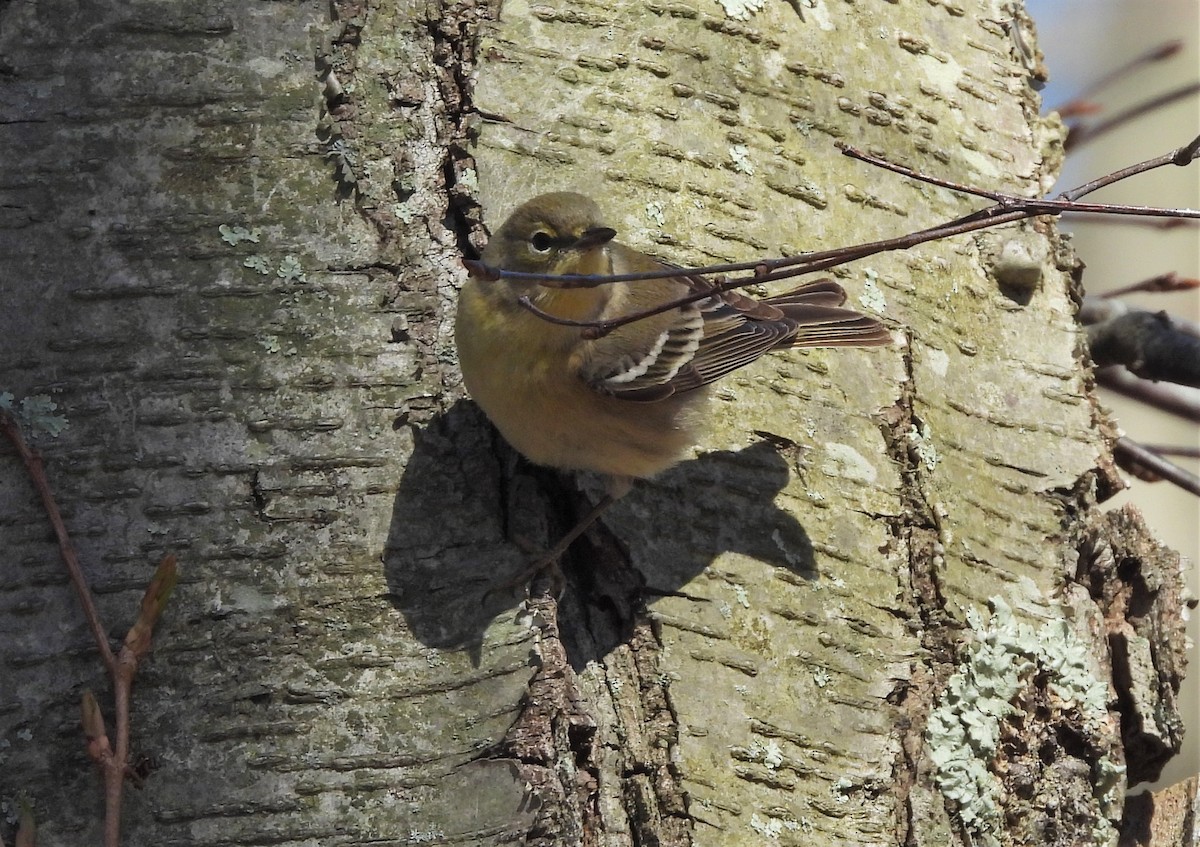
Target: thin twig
(1064, 202)
(1129, 452)
(122, 666)
(1084, 133)
(1180, 401)
(1181, 156)
(1006, 208)
(1157, 53)
(1173, 450)
(894, 167)
(37, 473)
(1161, 225)
(1159, 284)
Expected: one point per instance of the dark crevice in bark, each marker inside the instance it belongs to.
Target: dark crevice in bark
(555, 738)
(917, 529)
(258, 496)
(1136, 583)
(455, 39)
(551, 737)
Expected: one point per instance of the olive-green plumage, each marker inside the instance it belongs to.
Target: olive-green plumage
(631, 403)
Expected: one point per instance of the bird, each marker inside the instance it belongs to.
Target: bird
(631, 403)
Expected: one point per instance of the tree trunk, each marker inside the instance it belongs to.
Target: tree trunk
(879, 606)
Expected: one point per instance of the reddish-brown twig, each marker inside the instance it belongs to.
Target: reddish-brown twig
(1157, 53)
(1083, 133)
(122, 665)
(1006, 208)
(1158, 284)
(37, 474)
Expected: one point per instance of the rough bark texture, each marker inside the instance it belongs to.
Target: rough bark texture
(241, 409)
(1166, 818)
(877, 608)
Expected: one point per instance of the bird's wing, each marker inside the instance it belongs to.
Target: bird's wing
(700, 342)
(640, 360)
(814, 307)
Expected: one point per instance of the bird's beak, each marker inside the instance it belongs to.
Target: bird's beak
(594, 237)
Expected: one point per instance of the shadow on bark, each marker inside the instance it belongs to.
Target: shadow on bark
(448, 553)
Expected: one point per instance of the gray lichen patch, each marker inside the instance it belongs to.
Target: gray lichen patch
(988, 741)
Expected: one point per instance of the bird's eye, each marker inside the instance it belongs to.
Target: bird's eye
(541, 241)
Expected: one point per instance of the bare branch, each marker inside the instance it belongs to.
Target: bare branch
(1084, 133)
(1172, 450)
(113, 763)
(1155, 54)
(1159, 284)
(1136, 459)
(37, 473)
(1181, 156)
(1006, 208)
(1177, 400)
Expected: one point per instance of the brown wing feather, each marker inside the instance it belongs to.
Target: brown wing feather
(738, 330)
(734, 331)
(822, 324)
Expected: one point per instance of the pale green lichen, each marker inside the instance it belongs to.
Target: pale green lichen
(964, 729)
(35, 413)
(272, 344)
(425, 836)
(772, 755)
(922, 442)
(872, 296)
(403, 213)
(469, 180)
(766, 827)
(774, 823)
(258, 263)
(741, 10)
(1072, 678)
(290, 270)
(740, 154)
(234, 235)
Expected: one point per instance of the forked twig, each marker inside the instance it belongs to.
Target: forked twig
(122, 665)
(1006, 208)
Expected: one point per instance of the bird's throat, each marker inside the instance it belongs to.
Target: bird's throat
(578, 304)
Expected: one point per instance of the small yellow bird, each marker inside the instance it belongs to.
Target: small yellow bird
(629, 404)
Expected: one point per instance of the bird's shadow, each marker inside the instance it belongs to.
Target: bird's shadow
(464, 494)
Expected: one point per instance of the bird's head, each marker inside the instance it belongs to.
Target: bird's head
(557, 233)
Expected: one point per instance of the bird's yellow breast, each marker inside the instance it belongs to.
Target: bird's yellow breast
(519, 369)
